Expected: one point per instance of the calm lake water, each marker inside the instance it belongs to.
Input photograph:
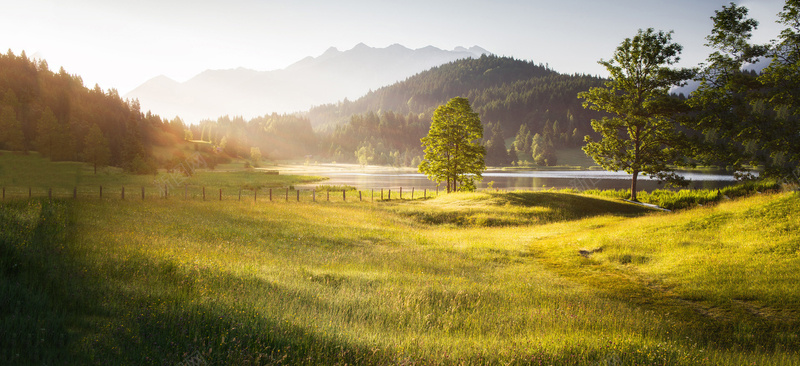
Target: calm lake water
(388, 178)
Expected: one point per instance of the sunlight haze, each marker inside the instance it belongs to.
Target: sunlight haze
(123, 44)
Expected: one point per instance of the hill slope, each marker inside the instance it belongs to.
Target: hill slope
(504, 91)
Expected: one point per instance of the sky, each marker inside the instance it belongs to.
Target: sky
(122, 44)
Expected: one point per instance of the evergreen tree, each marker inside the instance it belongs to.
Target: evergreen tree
(95, 148)
(522, 142)
(11, 137)
(453, 153)
(46, 133)
(496, 153)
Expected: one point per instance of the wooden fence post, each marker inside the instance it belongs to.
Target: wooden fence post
(328, 195)
(204, 193)
(29, 192)
(166, 191)
(220, 194)
(425, 193)
(344, 197)
(298, 195)
(381, 194)
(359, 196)
(390, 194)
(313, 195)
(270, 194)
(372, 195)
(401, 193)
(101, 191)
(287, 194)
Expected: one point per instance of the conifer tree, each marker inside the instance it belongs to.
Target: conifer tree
(46, 133)
(96, 151)
(11, 136)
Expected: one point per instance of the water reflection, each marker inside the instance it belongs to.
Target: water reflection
(510, 180)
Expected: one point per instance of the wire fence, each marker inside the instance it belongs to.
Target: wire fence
(204, 193)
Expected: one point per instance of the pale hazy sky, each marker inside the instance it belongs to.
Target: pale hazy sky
(121, 44)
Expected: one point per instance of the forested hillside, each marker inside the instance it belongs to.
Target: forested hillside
(56, 115)
(511, 96)
(531, 105)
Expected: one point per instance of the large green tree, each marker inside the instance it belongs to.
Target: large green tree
(453, 150)
(781, 80)
(722, 102)
(640, 135)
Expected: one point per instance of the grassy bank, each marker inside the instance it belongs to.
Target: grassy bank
(21, 173)
(461, 279)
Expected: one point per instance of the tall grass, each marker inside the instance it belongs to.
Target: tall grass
(686, 198)
(162, 281)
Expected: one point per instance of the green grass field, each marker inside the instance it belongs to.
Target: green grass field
(468, 278)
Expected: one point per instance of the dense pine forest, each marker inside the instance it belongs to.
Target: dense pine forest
(55, 114)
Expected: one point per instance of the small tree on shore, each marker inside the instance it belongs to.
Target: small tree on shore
(453, 150)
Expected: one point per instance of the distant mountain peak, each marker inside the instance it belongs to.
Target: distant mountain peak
(327, 78)
(331, 51)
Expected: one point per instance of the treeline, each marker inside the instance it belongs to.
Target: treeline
(275, 136)
(56, 115)
(513, 98)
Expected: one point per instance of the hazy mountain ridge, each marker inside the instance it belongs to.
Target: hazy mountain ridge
(330, 77)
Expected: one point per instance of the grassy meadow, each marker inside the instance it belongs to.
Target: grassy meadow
(552, 278)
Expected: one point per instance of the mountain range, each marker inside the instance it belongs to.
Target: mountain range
(333, 76)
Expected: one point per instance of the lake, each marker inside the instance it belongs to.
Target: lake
(374, 177)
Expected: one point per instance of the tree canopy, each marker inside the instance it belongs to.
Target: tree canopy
(640, 136)
(453, 152)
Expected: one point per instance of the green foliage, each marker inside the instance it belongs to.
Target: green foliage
(11, 136)
(496, 153)
(641, 135)
(689, 198)
(453, 152)
(95, 150)
(54, 112)
(747, 118)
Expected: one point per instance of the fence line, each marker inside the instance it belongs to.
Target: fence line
(199, 193)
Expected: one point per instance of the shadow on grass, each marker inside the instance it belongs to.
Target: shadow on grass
(517, 209)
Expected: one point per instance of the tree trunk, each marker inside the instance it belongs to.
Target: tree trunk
(633, 186)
